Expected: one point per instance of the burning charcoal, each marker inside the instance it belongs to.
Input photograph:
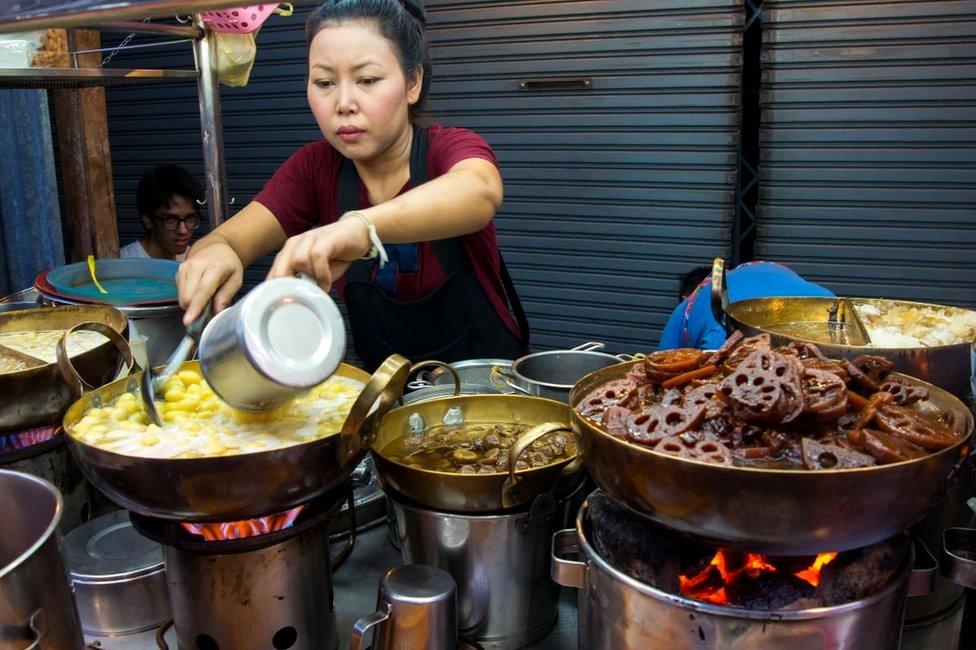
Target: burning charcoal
(857, 574)
(826, 456)
(640, 548)
(767, 591)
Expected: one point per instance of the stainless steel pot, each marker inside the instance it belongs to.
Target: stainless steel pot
(36, 608)
(617, 611)
(552, 374)
(500, 563)
(118, 577)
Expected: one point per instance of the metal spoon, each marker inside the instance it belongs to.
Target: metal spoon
(150, 383)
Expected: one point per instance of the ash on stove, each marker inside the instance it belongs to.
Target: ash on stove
(656, 556)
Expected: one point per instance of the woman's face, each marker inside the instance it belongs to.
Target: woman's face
(357, 90)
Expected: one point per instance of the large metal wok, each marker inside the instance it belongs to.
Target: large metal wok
(241, 486)
(38, 396)
(478, 493)
(844, 336)
(780, 512)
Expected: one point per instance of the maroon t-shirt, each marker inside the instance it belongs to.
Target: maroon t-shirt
(302, 195)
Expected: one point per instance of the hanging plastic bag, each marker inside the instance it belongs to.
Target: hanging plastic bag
(235, 58)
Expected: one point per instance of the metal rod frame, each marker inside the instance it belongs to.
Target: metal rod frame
(744, 214)
(28, 15)
(211, 129)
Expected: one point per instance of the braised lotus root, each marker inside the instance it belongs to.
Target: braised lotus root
(789, 407)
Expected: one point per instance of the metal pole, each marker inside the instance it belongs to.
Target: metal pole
(205, 51)
(137, 27)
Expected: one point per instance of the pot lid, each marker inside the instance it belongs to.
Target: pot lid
(108, 549)
(127, 281)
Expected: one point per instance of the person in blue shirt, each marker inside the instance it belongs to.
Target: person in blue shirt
(692, 324)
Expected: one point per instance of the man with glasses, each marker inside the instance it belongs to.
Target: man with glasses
(167, 199)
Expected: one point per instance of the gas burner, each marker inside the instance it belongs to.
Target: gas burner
(28, 438)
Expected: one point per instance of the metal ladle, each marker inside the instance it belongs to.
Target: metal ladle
(150, 384)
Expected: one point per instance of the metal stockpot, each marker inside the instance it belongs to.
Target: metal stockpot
(228, 488)
(506, 598)
(283, 338)
(552, 374)
(788, 512)
(477, 493)
(39, 396)
(617, 611)
(946, 366)
(36, 607)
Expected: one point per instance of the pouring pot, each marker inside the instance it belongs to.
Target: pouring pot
(478, 493)
(241, 486)
(947, 366)
(774, 511)
(39, 396)
(553, 373)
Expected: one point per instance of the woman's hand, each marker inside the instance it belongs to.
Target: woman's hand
(215, 272)
(324, 253)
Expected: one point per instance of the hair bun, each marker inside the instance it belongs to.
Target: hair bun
(416, 9)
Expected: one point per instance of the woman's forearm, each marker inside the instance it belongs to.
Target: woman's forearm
(460, 202)
(251, 233)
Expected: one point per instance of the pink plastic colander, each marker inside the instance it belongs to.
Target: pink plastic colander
(238, 20)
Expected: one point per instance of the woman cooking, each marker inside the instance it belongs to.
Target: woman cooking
(397, 217)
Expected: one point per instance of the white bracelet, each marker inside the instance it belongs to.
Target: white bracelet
(376, 246)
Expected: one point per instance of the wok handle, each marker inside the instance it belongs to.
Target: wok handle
(589, 346)
(720, 293)
(429, 381)
(958, 551)
(67, 368)
(499, 377)
(522, 443)
(567, 573)
(361, 627)
(376, 399)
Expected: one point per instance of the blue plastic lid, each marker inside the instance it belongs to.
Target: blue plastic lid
(128, 281)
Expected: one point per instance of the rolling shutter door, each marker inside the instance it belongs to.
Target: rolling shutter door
(868, 174)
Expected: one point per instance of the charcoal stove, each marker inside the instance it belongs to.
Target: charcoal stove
(259, 583)
(633, 579)
(43, 452)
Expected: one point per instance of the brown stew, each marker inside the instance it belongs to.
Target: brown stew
(749, 404)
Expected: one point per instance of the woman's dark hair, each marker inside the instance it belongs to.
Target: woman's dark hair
(159, 185)
(401, 22)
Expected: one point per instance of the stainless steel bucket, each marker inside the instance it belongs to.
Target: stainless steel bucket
(506, 598)
(617, 611)
(36, 607)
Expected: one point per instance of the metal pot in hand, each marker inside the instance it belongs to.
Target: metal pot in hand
(478, 493)
(241, 486)
(774, 511)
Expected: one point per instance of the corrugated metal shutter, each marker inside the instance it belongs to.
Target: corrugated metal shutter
(611, 192)
(869, 146)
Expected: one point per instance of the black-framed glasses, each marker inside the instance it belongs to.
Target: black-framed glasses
(172, 222)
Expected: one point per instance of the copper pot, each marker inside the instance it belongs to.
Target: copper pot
(774, 511)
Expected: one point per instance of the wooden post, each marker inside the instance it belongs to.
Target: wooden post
(86, 160)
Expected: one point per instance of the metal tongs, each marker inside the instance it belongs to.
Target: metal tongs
(150, 384)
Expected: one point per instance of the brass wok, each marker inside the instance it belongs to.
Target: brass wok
(39, 396)
(241, 486)
(779, 512)
(946, 366)
(479, 493)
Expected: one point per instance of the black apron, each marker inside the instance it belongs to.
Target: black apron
(457, 321)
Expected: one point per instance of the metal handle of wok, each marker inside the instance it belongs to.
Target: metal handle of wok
(564, 572)
(429, 381)
(376, 399)
(589, 346)
(361, 627)
(720, 293)
(959, 556)
(510, 496)
(37, 628)
(66, 367)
